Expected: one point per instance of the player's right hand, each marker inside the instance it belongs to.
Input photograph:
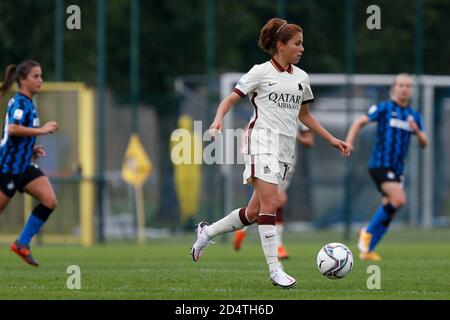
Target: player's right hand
(350, 145)
(342, 146)
(215, 126)
(50, 127)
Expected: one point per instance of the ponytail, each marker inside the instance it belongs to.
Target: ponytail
(274, 30)
(10, 77)
(16, 73)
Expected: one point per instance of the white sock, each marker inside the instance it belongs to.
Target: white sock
(269, 241)
(229, 223)
(280, 229)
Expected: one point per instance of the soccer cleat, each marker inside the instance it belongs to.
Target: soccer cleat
(281, 278)
(371, 256)
(201, 243)
(239, 236)
(282, 253)
(24, 252)
(364, 241)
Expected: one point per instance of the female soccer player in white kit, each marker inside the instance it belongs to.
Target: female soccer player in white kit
(280, 94)
(306, 138)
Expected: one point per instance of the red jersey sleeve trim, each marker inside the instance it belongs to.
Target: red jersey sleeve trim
(307, 101)
(239, 92)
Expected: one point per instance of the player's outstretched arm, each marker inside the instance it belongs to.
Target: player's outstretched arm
(307, 118)
(356, 126)
(222, 110)
(22, 131)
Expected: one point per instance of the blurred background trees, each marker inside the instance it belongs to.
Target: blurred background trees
(173, 32)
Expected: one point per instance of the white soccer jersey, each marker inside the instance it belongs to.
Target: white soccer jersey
(277, 96)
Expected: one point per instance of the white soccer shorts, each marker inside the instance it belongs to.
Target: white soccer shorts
(265, 167)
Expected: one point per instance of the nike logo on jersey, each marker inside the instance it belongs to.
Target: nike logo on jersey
(269, 236)
(271, 84)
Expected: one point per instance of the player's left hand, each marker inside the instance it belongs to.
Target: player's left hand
(38, 151)
(342, 146)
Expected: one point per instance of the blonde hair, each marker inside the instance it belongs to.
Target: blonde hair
(402, 74)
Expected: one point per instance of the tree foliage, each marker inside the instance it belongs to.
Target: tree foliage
(172, 38)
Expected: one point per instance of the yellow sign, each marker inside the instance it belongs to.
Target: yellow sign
(187, 174)
(137, 166)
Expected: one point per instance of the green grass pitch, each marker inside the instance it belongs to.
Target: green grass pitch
(416, 266)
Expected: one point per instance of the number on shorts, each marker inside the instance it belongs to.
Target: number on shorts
(286, 168)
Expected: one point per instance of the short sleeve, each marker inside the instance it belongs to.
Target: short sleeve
(18, 111)
(248, 82)
(375, 110)
(308, 96)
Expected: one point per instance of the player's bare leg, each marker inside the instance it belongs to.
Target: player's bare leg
(4, 200)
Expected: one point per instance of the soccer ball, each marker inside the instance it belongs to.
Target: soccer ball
(335, 260)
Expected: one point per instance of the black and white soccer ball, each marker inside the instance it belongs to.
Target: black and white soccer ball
(335, 260)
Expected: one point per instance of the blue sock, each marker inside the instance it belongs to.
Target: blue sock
(380, 223)
(32, 227)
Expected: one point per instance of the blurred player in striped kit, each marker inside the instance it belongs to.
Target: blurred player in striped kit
(397, 122)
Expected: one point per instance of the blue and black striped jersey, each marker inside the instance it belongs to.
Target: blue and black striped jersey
(16, 152)
(392, 135)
